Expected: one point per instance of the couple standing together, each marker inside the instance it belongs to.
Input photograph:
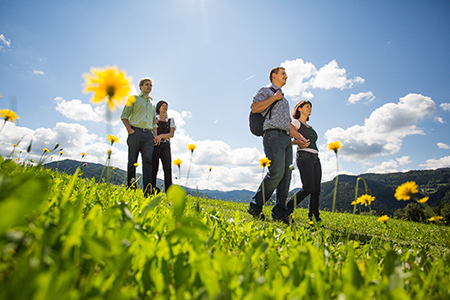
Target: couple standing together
(149, 132)
(279, 135)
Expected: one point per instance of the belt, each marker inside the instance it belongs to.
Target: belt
(277, 129)
(142, 129)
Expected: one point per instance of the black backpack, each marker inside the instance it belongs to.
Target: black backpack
(256, 120)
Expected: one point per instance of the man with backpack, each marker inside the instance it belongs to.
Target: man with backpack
(277, 133)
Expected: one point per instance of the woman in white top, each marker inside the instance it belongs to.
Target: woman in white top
(165, 131)
(308, 162)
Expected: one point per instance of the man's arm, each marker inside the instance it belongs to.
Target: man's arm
(156, 139)
(127, 126)
(260, 106)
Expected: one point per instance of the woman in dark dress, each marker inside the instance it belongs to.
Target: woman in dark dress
(308, 162)
(166, 130)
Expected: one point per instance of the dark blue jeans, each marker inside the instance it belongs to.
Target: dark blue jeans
(141, 141)
(162, 152)
(278, 148)
(311, 174)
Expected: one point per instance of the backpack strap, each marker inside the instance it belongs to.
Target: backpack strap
(269, 112)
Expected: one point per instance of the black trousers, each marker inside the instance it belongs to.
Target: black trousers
(162, 152)
(141, 141)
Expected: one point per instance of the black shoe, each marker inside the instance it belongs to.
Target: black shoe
(256, 214)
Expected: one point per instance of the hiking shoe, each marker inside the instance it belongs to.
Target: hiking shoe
(256, 214)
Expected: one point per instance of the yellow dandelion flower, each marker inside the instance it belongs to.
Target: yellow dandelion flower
(61, 153)
(335, 146)
(435, 219)
(177, 162)
(406, 191)
(32, 160)
(423, 200)
(46, 150)
(14, 145)
(8, 115)
(383, 218)
(112, 139)
(365, 200)
(191, 147)
(108, 84)
(210, 169)
(264, 162)
(83, 154)
(136, 164)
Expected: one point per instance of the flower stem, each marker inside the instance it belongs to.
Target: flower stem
(335, 192)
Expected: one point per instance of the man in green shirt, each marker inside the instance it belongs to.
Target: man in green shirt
(139, 119)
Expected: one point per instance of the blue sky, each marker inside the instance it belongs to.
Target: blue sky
(377, 73)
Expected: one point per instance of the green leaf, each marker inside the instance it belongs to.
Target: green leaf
(177, 196)
(20, 195)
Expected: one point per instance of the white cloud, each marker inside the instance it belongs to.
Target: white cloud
(445, 106)
(354, 98)
(443, 146)
(78, 111)
(5, 41)
(439, 120)
(303, 76)
(443, 162)
(390, 166)
(331, 76)
(404, 160)
(383, 131)
(36, 72)
(299, 77)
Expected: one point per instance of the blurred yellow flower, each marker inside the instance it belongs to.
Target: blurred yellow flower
(177, 162)
(14, 145)
(61, 153)
(8, 115)
(423, 200)
(109, 83)
(46, 150)
(83, 154)
(136, 164)
(435, 219)
(335, 146)
(406, 191)
(191, 147)
(365, 200)
(112, 139)
(264, 162)
(210, 169)
(383, 218)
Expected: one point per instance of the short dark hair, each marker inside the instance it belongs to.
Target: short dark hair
(159, 104)
(275, 70)
(296, 113)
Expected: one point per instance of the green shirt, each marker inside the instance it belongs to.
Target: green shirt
(140, 113)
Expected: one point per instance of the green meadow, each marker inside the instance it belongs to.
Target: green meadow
(66, 237)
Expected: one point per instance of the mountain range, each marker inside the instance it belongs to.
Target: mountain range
(434, 184)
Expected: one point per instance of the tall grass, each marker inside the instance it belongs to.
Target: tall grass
(64, 237)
